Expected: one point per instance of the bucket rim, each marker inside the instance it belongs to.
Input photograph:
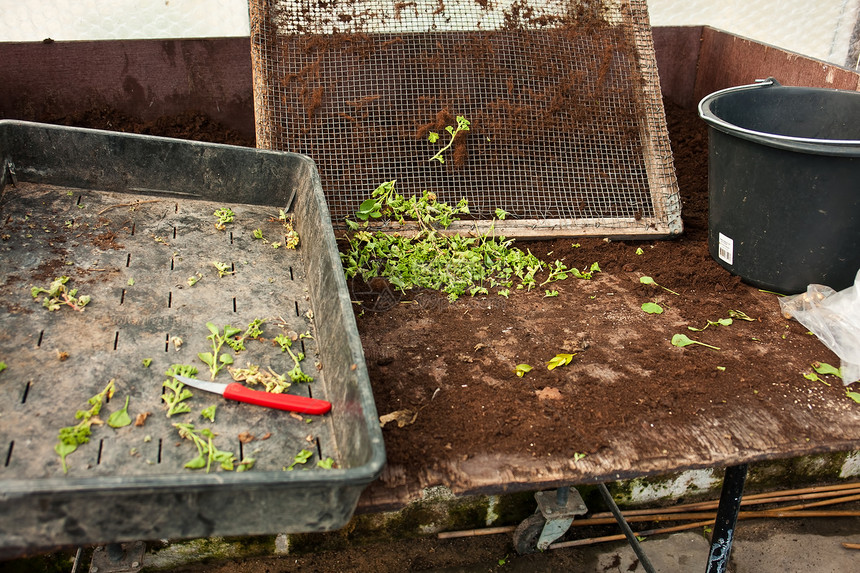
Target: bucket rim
(764, 137)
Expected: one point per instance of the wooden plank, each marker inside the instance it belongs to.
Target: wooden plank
(727, 60)
(144, 79)
(677, 51)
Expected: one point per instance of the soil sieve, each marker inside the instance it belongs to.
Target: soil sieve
(567, 135)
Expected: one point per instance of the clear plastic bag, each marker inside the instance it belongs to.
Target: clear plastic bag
(834, 317)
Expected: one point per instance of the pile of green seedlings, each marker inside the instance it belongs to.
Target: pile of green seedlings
(434, 259)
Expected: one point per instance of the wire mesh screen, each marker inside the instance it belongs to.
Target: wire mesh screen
(567, 131)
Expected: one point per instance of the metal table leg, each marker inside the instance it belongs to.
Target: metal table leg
(625, 527)
(727, 518)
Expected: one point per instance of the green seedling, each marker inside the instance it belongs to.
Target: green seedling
(222, 268)
(192, 280)
(207, 452)
(559, 360)
(209, 412)
(215, 360)
(70, 437)
(258, 234)
(237, 342)
(652, 308)
(2, 366)
(120, 418)
(578, 456)
(286, 342)
(586, 275)
(57, 295)
(147, 362)
(558, 272)
(224, 215)
(550, 294)
(639, 251)
(326, 464)
(682, 340)
(300, 458)
(719, 322)
(462, 125)
(522, 369)
(650, 281)
(853, 395)
(178, 392)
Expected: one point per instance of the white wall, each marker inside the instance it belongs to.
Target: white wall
(35, 20)
(821, 29)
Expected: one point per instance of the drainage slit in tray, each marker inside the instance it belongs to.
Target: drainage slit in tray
(302, 342)
(231, 237)
(167, 342)
(174, 232)
(291, 273)
(297, 308)
(234, 304)
(170, 299)
(158, 459)
(80, 197)
(101, 446)
(171, 263)
(41, 334)
(319, 449)
(122, 297)
(9, 452)
(128, 260)
(115, 339)
(132, 228)
(26, 392)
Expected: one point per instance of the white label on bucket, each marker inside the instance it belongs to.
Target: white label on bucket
(726, 249)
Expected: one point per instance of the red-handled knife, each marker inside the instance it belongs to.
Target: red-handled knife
(239, 393)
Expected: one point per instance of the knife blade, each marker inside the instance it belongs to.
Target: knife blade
(239, 393)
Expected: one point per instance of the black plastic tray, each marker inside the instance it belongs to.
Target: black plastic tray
(129, 219)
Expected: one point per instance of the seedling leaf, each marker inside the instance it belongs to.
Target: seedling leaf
(120, 418)
(522, 369)
(559, 360)
(682, 340)
(652, 308)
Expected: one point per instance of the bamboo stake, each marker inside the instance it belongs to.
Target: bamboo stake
(758, 499)
(851, 545)
(476, 532)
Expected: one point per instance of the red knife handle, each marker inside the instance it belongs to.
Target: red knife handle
(289, 402)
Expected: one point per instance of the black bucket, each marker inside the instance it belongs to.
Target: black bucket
(784, 184)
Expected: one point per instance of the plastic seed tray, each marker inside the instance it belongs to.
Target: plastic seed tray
(130, 221)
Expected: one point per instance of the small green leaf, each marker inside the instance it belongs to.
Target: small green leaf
(652, 308)
(559, 360)
(147, 362)
(209, 412)
(639, 251)
(824, 368)
(326, 464)
(130, 281)
(120, 418)
(433, 137)
(522, 369)
(853, 395)
(682, 340)
(197, 463)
